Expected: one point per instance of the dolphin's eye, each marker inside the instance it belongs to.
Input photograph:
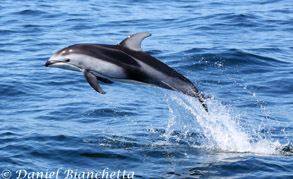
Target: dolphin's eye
(67, 60)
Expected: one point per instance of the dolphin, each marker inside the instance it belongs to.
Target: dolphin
(125, 62)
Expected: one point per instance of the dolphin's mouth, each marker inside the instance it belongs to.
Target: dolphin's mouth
(49, 63)
(63, 65)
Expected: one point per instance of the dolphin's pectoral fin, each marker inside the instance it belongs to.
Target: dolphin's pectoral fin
(92, 79)
(104, 80)
(133, 42)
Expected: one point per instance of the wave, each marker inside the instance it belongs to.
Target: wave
(30, 12)
(233, 57)
(108, 112)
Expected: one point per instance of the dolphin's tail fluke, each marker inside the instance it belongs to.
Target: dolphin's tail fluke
(202, 101)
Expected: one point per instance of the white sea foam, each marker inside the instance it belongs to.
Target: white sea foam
(220, 129)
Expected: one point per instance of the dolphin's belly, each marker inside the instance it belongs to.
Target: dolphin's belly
(104, 68)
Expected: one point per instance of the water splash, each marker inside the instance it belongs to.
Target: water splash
(219, 129)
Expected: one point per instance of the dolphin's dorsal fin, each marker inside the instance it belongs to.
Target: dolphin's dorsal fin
(133, 42)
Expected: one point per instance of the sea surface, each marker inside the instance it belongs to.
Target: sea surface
(238, 53)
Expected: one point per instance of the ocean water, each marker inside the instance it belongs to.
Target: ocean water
(239, 53)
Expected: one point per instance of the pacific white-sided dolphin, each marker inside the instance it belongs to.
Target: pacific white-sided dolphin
(125, 62)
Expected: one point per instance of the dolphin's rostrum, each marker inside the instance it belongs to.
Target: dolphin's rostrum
(125, 62)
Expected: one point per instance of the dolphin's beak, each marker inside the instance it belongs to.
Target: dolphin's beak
(49, 63)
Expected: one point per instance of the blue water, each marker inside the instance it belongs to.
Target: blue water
(238, 53)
